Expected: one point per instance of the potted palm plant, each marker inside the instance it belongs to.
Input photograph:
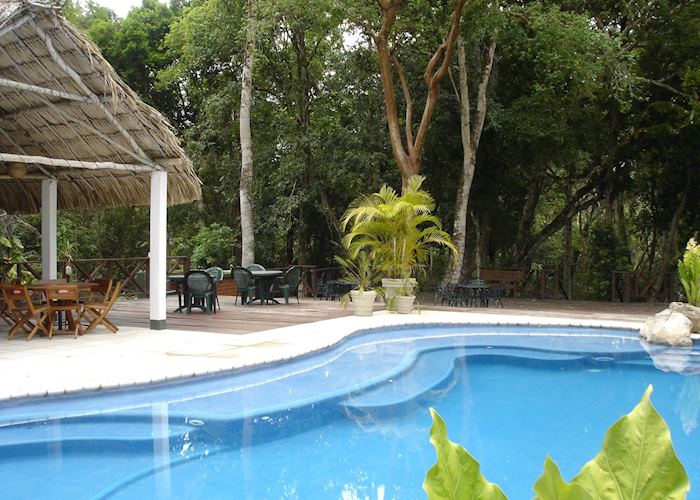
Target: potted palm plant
(397, 231)
(363, 276)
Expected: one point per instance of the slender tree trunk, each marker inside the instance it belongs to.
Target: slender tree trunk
(669, 244)
(527, 217)
(621, 226)
(246, 182)
(298, 36)
(408, 150)
(471, 134)
(477, 245)
(568, 248)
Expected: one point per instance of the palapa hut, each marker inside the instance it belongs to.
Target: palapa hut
(73, 135)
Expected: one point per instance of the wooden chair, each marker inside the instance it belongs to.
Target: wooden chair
(96, 312)
(4, 312)
(101, 291)
(26, 315)
(63, 299)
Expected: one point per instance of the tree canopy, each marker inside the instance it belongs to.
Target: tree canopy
(590, 143)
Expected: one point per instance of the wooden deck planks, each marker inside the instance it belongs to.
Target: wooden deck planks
(237, 319)
(234, 319)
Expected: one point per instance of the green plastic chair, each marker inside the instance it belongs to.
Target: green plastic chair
(290, 283)
(217, 275)
(199, 285)
(254, 267)
(245, 282)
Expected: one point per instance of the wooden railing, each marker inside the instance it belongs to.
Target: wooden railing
(631, 286)
(133, 272)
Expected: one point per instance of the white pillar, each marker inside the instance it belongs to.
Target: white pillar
(49, 208)
(158, 254)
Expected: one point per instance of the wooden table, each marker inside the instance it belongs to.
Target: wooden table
(81, 286)
(264, 281)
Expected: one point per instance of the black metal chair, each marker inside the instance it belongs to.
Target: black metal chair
(245, 282)
(199, 291)
(495, 293)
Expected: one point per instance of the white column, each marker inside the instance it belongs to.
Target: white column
(158, 254)
(49, 208)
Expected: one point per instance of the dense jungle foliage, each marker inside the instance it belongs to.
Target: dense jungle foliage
(588, 160)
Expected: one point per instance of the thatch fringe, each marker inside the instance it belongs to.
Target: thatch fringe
(66, 114)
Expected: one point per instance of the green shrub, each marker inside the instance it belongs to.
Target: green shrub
(212, 246)
(689, 272)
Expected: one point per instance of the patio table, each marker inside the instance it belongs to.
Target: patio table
(474, 291)
(264, 281)
(179, 281)
(81, 286)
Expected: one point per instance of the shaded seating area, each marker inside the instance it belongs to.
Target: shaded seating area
(74, 136)
(56, 306)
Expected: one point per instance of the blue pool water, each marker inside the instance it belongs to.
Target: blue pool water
(352, 422)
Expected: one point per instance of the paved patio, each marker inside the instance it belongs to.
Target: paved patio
(194, 344)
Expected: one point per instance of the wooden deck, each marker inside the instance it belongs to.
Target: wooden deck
(237, 319)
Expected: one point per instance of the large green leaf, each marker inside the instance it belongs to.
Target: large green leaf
(456, 473)
(637, 460)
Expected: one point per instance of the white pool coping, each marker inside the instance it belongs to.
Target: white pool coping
(137, 356)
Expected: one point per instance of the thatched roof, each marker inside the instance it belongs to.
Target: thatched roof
(65, 114)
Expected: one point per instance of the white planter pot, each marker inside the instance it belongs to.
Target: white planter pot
(363, 302)
(404, 304)
(392, 288)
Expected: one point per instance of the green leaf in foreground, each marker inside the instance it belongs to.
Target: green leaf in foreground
(637, 462)
(551, 486)
(456, 473)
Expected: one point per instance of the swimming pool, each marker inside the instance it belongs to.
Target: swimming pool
(352, 422)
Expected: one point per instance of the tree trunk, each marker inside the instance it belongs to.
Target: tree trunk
(407, 150)
(471, 134)
(246, 182)
(477, 246)
(669, 244)
(527, 217)
(584, 198)
(568, 248)
(298, 37)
